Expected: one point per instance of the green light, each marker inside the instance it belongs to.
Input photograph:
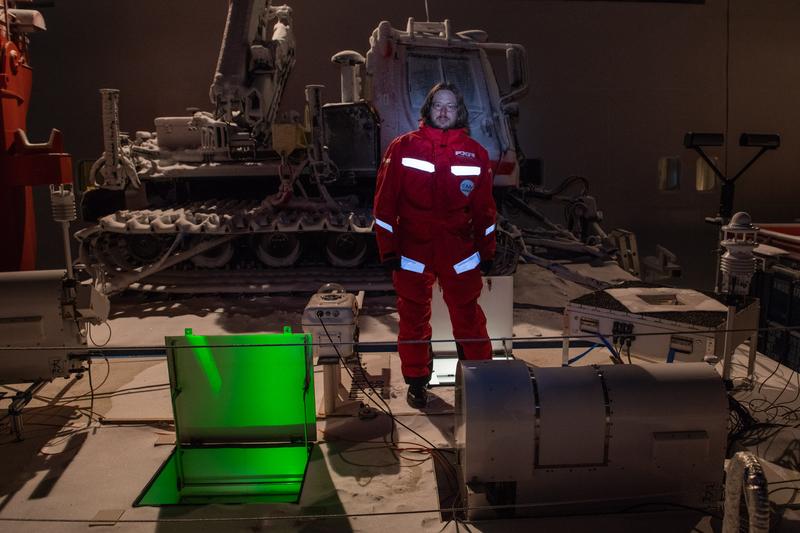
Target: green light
(244, 419)
(206, 360)
(163, 490)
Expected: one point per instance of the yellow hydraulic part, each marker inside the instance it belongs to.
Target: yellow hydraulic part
(286, 138)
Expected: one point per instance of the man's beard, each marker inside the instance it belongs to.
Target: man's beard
(444, 123)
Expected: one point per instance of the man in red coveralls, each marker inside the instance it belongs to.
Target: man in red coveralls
(435, 219)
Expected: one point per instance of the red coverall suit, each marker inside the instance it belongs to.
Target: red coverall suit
(434, 210)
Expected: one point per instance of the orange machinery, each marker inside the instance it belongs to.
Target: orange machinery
(22, 165)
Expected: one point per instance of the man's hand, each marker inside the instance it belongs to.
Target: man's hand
(391, 263)
(486, 266)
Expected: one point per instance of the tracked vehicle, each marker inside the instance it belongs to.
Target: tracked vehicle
(239, 189)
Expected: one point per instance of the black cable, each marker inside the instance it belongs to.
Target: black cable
(337, 516)
(89, 334)
(792, 401)
(797, 480)
(119, 392)
(797, 393)
(668, 504)
(744, 425)
(772, 404)
(59, 437)
(539, 338)
(81, 396)
(60, 402)
(564, 185)
(614, 354)
(777, 367)
(91, 396)
(382, 446)
(796, 489)
(387, 410)
(105, 379)
(775, 410)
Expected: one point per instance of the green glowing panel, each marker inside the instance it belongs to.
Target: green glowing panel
(279, 465)
(242, 388)
(263, 482)
(244, 419)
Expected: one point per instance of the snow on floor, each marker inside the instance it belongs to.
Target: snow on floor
(71, 468)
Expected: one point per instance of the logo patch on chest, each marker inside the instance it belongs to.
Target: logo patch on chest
(466, 187)
(462, 153)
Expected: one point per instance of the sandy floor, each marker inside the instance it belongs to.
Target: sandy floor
(71, 467)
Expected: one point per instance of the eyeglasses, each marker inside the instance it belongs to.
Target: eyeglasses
(438, 106)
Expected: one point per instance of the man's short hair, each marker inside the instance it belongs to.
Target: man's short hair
(462, 118)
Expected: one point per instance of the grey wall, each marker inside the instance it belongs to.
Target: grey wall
(615, 85)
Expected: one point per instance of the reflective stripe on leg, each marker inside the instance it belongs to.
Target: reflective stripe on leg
(468, 264)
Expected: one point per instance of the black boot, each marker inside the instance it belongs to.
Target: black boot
(417, 396)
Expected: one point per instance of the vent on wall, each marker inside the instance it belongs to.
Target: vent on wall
(660, 299)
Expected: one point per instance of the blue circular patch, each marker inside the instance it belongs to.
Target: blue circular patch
(466, 187)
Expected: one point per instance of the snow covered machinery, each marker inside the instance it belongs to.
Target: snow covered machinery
(237, 189)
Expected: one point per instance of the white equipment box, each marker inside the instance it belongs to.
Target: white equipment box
(45, 317)
(333, 309)
(338, 311)
(662, 324)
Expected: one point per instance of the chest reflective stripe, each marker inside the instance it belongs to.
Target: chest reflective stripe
(407, 263)
(465, 170)
(487, 232)
(468, 264)
(427, 166)
(419, 164)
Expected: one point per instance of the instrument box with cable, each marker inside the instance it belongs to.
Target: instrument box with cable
(332, 308)
(660, 323)
(330, 317)
(43, 324)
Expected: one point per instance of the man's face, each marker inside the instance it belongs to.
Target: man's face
(444, 109)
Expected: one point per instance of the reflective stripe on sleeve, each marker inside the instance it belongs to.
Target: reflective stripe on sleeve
(467, 264)
(384, 225)
(485, 233)
(418, 164)
(465, 170)
(409, 264)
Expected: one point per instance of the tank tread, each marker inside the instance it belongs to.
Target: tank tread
(303, 280)
(217, 217)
